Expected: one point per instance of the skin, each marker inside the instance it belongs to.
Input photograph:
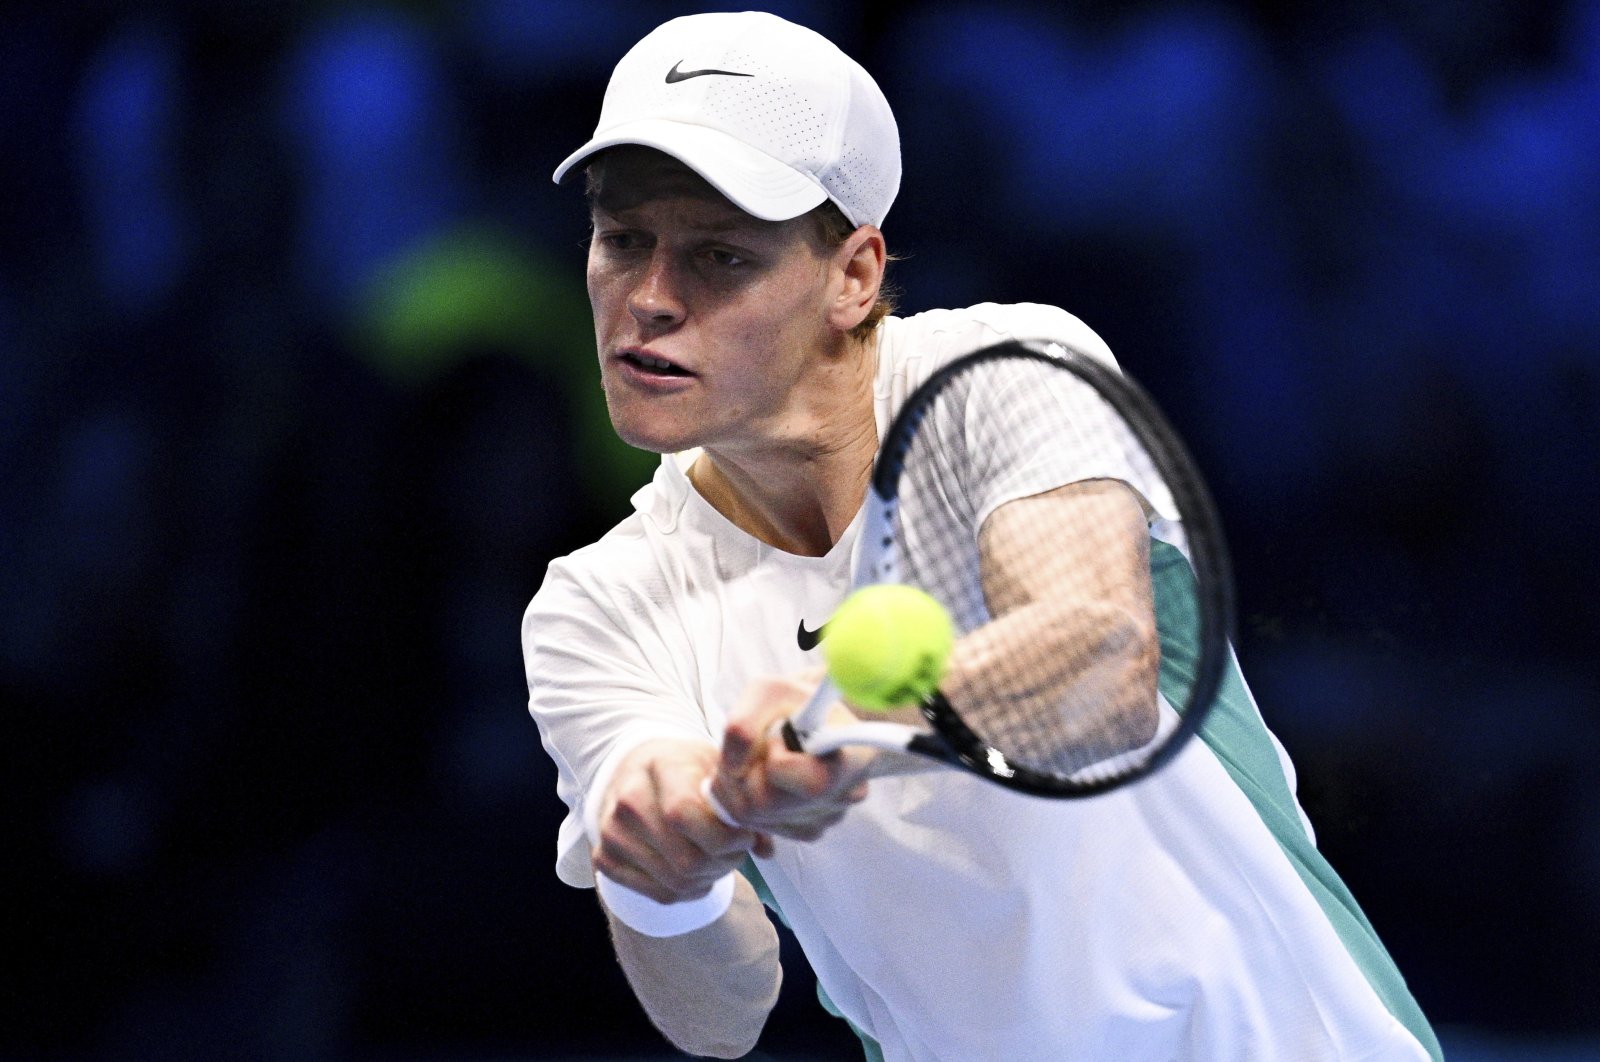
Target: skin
(754, 319)
(756, 315)
(720, 331)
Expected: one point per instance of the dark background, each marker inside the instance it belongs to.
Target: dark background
(297, 399)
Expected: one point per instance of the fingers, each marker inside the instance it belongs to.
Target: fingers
(664, 865)
(835, 775)
(657, 835)
(764, 704)
(659, 867)
(800, 796)
(765, 785)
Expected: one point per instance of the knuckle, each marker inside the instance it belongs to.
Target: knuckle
(681, 815)
(745, 729)
(811, 785)
(677, 862)
(606, 861)
(630, 808)
(737, 805)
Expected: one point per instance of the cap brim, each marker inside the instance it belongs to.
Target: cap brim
(752, 180)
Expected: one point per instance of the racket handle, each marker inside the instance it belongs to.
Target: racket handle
(811, 716)
(656, 919)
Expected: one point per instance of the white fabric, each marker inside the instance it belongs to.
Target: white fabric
(774, 115)
(948, 918)
(1013, 430)
(655, 919)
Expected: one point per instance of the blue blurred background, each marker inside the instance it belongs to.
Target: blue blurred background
(297, 400)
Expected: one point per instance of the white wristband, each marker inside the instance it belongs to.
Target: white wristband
(655, 919)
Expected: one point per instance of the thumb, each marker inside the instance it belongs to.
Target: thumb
(846, 772)
(744, 741)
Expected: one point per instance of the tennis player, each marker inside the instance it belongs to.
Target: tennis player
(738, 180)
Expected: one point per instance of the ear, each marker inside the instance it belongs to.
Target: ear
(858, 265)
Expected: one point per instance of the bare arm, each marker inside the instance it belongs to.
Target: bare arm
(709, 991)
(1089, 650)
(1087, 606)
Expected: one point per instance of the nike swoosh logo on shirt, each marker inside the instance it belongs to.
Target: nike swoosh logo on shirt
(675, 75)
(808, 639)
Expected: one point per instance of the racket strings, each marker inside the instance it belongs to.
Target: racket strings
(1013, 463)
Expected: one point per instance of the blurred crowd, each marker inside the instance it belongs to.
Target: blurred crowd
(297, 400)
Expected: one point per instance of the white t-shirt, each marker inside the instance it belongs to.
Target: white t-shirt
(946, 917)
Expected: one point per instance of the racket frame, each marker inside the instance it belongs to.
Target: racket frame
(952, 741)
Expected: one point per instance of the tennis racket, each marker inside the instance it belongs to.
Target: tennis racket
(1002, 427)
(977, 444)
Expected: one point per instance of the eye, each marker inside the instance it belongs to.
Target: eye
(620, 239)
(721, 256)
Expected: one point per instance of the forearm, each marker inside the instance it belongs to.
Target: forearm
(1073, 639)
(709, 991)
(1091, 667)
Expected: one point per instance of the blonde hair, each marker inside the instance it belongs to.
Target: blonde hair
(835, 228)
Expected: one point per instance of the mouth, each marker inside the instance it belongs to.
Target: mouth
(651, 364)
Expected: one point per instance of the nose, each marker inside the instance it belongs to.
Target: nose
(656, 300)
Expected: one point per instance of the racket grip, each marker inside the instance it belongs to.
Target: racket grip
(656, 919)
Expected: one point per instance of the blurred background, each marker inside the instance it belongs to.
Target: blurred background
(297, 400)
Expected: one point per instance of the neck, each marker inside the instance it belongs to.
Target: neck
(799, 490)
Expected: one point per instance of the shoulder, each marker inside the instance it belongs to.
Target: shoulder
(962, 330)
(912, 348)
(620, 572)
(586, 582)
(635, 575)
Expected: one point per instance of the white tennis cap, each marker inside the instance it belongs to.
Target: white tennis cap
(774, 115)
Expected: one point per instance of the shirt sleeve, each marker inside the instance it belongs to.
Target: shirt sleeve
(1030, 428)
(1037, 428)
(600, 683)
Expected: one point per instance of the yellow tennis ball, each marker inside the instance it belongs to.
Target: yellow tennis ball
(887, 646)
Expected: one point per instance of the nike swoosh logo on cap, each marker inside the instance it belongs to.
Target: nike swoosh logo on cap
(808, 639)
(675, 75)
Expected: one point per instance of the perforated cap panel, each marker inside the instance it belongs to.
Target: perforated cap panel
(771, 113)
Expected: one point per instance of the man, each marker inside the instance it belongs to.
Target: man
(737, 181)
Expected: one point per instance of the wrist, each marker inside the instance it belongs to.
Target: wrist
(656, 919)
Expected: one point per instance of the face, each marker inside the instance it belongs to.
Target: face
(712, 325)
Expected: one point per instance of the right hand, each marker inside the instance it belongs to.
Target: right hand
(657, 834)
(779, 792)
